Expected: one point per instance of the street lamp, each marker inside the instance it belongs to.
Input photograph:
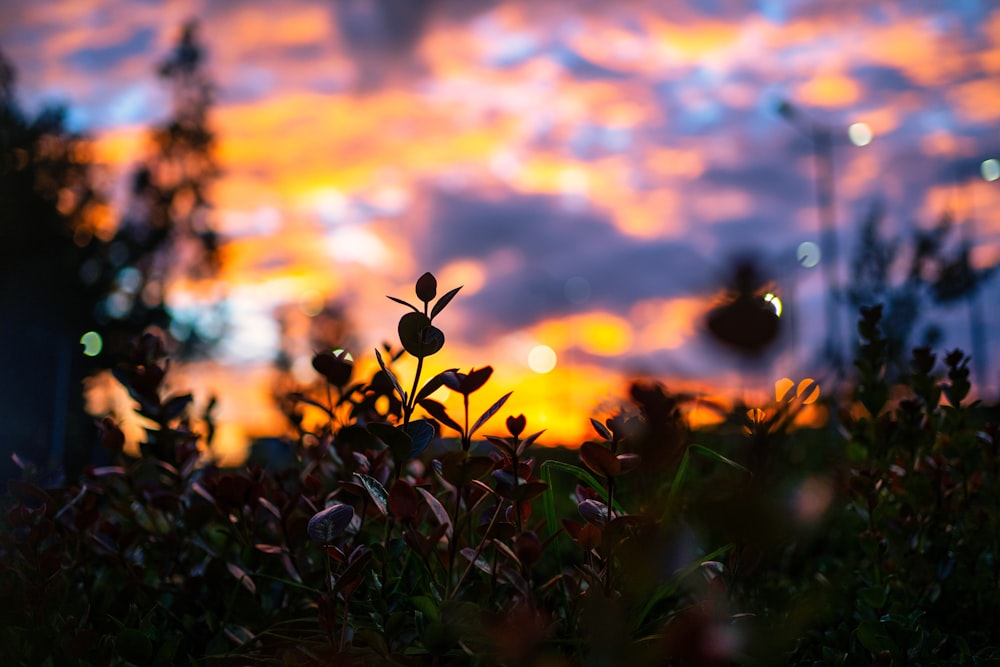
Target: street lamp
(821, 139)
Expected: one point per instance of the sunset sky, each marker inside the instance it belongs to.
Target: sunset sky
(587, 170)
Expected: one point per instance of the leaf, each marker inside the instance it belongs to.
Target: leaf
(527, 442)
(601, 429)
(175, 406)
(475, 558)
(433, 384)
(242, 576)
(493, 409)
(397, 440)
(403, 502)
(301, 398)
(444, 301)
(600, 459)
(437, 509)
(418, 336)
(530, 490)
(352, 574)
(581, 474)
(438, 411)
(404, 303)
(712, 454)
(391, 376)
(269, 506)
(326, 525)
(873, 637)
(426, 287)
(476, 379)
(502, 444)
(421, 434)
(375, 491)
(269, 548)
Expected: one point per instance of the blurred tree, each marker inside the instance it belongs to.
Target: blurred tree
(52, 253)
(906, 275)
(68, 269)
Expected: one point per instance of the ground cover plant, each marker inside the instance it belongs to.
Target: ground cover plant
(397, 532)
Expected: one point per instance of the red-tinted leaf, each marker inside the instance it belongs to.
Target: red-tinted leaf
(242, 576)
(269, 548)
(437, 509)
(403, 502)
(476, 379)
(438, 411)
(515, 425)
(503, 444)
(527, 442)
(600, 459)
(601, 429)
(629, 462)
(354, 572)
(480, 562)
(493, 409)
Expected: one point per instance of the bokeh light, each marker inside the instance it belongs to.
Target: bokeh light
(541, 359)
(92, 343)
(775, 302)
(990, 169)
(860, 134)
(808, 254)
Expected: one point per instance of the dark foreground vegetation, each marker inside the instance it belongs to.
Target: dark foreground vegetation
(372, 539)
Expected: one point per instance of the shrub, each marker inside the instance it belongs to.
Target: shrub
(380, 541)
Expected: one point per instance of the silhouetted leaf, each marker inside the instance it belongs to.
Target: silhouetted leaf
(601, 429)
(397, 440)
(485, 417)
(437, 410)
(433, 384)
(426, 287)
(391, 376)
(404, 303)
(421, 434)
(444, 301)
(600, 459)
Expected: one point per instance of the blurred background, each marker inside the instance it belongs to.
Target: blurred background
(605, 179)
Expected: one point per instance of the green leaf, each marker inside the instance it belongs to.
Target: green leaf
(873, 637)
(375, 491)
(712, 454)
(670, 587)
(874, 596)
(583, 476)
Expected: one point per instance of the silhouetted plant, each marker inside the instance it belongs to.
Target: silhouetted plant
(382, 542)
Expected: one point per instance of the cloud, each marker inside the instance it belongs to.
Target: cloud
(531, 245)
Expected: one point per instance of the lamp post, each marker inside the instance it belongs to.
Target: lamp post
(821, 140)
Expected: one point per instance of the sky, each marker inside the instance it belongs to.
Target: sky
(588, 171)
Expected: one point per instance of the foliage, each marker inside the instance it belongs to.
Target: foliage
(70, 268)
(378, 540)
